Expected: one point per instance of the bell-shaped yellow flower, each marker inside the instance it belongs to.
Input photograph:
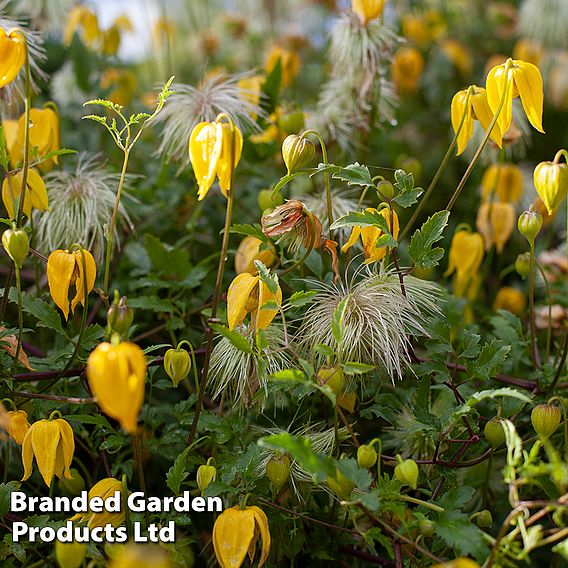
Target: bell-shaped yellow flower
(367, 10)
(473, 104)
(250, 250)
(505, 181)
(18, 425)
(106, 487)
(458, 54)
(117, 377)
(12, 56)
(466, 254)
(511, 299)
(82, 19)
(515, 78)
(551, 183)
(65, 269)
(248, 294)
(235, 535)
(35, 195)
(210, 154)
(289, 63)
(370, 236)
(52, 443)
(407, 67)
(496, 222)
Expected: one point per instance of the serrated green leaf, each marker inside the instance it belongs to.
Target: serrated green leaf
(250, 231)
(46, 315)
(353, 368)
(177, 473)
(420, 248)
(238, 340)
(354, 174)
(269, 279)
(299, 299)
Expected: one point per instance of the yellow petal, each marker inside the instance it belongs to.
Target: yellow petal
(9, 194)
(27, 455)
(502, 223)
(262, 524)
(205, 144)
(499, 85)
(237, 297)
(484, 114)
(91, 277)
(460, 106)
(224, 169)
(551, 183)
(37, 192)
(528, 81)
(67, 445)
(233, 532)
(355, 233)
(45, 439)
(60, 267)
(264, 316)
(12, 57)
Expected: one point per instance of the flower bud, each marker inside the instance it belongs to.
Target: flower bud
(177, 364)
(484, 519)
(206, 474)
(366, 456)
(17, 245)
(72, 486)
(267, 201)
(332, 376)
(278, 470)
(551, 183)
(529, 224)
(120, 316)
(494, 432)
(18, 425)
(297, 152)
(523, 264)
(70, 554)
(545, 419)
(340, 485)
(427, 528)
(407, 472)
(386, 188)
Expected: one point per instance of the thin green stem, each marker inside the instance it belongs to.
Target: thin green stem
(532, 325)
(549, 300)
(20, 318)
(416, 501)
(561, 364)
(562, 403)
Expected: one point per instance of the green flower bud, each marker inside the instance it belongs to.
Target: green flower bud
(523, 264)
(265, 200)
(529, 224)
(340, 485)
(278, 470)
(291, 121)
(332, 376)
(386, 188)
(297, 152)
(427, 528)
(407, 472)
(177, 364)
(206, 474)
(70, 554)
(483, 519)
(17, 245)
(366, 456)
(494, 433)
(120, 316)
(72, 486)
(545, 419)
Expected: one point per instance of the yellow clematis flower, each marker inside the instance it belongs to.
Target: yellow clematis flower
(82, 19)
(407, 67)
(458, 54)
(515, 78)
(367, 10)
(12, 56)
(496, 222)
(466, 254)
(52, 443)
(235, 534)
(250, 250)
(370, 236)
(18, 425)
(210, 154)
(141, 556)
(248, 294)
(35, 196)
(511, 299)
(503, 180)
(104, 488)
(473, 103)
(117, 377)
(289, 63)
(551, 182)
(65, 269)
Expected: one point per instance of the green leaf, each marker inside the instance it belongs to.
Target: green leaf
(493, 393)
(299, 299)
(288, 375)
(352, 368)
(325, 350)
(270, 279)
(362, 219)
(46, 315)
(250, 231)
(490, 360)
(337, 321)
(238, 340)
(177, 473)
(167, 260)
(355, 174)
(420, 248)
(407, 194)
(459, 533)
(154, 304)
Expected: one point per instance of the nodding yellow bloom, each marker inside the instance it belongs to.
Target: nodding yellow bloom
(235, 534)
(84, 20)
(117, 377)
(65, 269)
(515, 78)
(407, 67)
(52, 443)
(496, 222)
(35, 195)
(503, 180)
(458, 54)
(551, 183)
(44, 135)
(12, 56)
(139, 556)
(370, 236)
(250, 250)
(367, 10)
(18, 425)
(473, 103)
(289, 63)
(110, 41)
(466, 254)
(210, 154)
(248, 294)
(103, 489)
(511, 299)
(415, 29)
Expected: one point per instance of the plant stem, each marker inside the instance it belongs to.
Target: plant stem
(549, 300)
(410, 499)
(561, 364)
(20, 319)
(534, 348)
